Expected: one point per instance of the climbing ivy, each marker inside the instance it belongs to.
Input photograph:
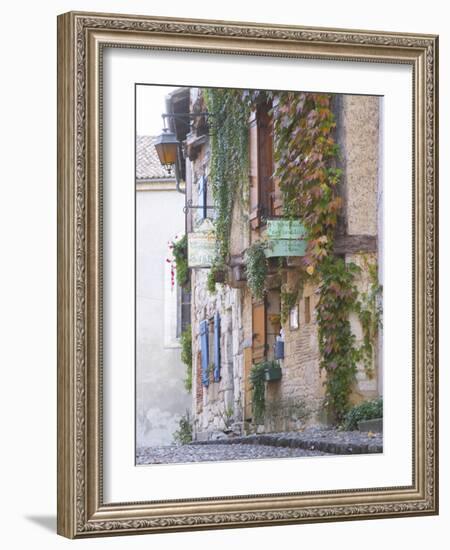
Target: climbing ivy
(288, 299)
(256, 267)
(257, 380)
(305, 153)
(339, 353)
(211, 281)
(229, 157)
(186, 356)
(370, 311)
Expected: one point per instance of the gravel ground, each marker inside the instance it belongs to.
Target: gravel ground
(211, 453)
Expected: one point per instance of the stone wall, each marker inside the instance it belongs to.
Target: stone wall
(294, 402)
(220, 409)
(359, 141)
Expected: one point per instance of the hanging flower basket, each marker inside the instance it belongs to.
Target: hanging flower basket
(272, 372)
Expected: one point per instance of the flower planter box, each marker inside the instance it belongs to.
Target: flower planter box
(219, 276)
(272, 373)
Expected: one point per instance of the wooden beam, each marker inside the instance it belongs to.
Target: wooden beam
(352, 244)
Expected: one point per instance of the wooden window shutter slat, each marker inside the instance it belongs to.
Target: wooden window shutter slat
(265, 162)
(259, 331)
(204, 347)
(247, 384)
(216, 347)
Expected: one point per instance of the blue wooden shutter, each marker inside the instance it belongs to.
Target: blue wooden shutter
(216, 347)
(204, 347)
(202, 197)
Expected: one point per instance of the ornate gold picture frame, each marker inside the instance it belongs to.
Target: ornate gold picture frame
(82, 509)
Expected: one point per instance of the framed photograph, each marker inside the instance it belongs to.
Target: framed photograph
(247, 284)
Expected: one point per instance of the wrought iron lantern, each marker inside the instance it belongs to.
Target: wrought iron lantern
(166, 145)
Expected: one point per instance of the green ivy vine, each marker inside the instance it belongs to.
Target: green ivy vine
(257, 380)
(339, 353)
(186, 356)
(180, 255)
(288, 299)
(370, 312)
(305, 154)
(256, 267)
(229, 157)
(211, 281)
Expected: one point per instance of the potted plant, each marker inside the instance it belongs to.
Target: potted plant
(272, 371)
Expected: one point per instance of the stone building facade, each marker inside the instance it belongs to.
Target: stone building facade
(231, 331)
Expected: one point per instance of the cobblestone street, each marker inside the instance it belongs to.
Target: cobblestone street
(211, 453)
(314, 441)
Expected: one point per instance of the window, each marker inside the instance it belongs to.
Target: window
(265, 200)
(183, 310)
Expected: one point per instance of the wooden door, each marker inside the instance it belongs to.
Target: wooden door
(259, 331)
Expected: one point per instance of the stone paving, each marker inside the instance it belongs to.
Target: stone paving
(327, 440)
(216, 452)
(314, 441)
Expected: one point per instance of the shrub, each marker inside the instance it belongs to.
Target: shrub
(179, 251)
(183, 435)
(257, 379)
(367, 410)
(186, 356)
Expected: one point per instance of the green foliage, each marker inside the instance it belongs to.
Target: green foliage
(227, 417)
(367, 410)
(180, 254)
(256, 267)
(183, 435)
(212, 277)
(288, 300)
(339, 354)
(211, 282)
(369, 309)
(257, 380)
(229, 156)
(305, 153)
(186, 356)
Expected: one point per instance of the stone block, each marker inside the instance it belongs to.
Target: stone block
(375, 425)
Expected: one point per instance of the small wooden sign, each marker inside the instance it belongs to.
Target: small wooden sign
(285, 247)
(285, 229)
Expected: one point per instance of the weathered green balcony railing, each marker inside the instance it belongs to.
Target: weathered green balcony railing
(285, 238)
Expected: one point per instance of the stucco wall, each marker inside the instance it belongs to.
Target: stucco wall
(160, 394)
(358, 138)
